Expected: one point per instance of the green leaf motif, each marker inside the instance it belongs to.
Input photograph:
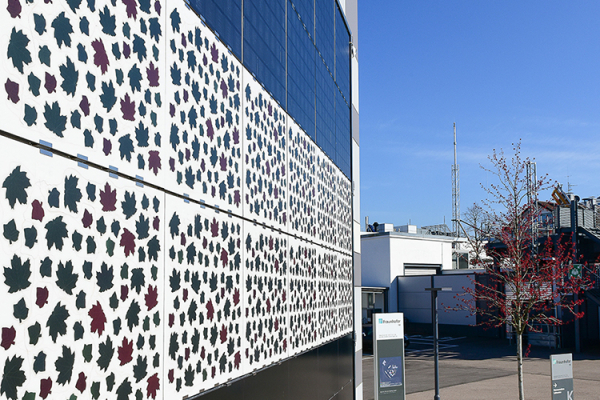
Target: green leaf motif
(17, 49)
(56, 231)
(35, 332)
(29, 396)
(124, 390)
(95, 389)
(139, 369)
(57, 321)
(87, 353)
(10, 231)
(17, 276)
(72, 193)
(132, 316)
(67, 280)
(64, 366)
(55, 121)
(15, 185)
(20, 310)
(12, 377)
(106, 351)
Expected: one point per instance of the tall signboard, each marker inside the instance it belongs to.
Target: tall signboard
(388, 347)
(562, 376)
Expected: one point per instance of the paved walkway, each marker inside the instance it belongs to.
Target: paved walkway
(476, 369)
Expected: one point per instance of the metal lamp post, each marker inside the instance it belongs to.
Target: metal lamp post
(434, 320)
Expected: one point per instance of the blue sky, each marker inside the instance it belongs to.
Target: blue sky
(502, 70)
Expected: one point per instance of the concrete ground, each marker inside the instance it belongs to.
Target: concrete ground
(476, 369)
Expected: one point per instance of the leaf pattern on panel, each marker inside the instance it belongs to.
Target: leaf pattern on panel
(204, 134)
(203, 339)
(265, 155)
(303, 295)
(326, 200)
(266, 300)
(71, 67)
(302, 182)
(74, 291)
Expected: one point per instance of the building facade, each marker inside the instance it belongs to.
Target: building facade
(179, 199)
(391, 254)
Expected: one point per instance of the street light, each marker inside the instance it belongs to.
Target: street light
(434, 321)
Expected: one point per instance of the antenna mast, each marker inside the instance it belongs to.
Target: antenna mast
(532, 200)
(455, 193)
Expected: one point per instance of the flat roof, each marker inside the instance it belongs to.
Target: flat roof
(412, 235)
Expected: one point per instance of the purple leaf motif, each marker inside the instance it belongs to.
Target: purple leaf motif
(223, 162)
(87, 219)
(41, 297)
(38, 211)
(214, 228)
(12, 89)
(152, 74)
(126, 50)
(108, 198)
(127, 242)
(224, 88)
(14, 8)
(236, 198)
(131, 8)
(172, 164)
(107, 147)
(214, 53)
(154, 161)
(8, 337)
(85, 105)
(236, 136)
(50, 84)
(128, 108)
(209, 129)
(100, 57)
(157, 7)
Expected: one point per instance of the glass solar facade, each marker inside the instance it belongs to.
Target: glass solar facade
(299, 51)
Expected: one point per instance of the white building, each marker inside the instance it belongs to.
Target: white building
(392, 255)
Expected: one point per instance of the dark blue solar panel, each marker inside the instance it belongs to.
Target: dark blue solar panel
(317, 75)
(342, 134)
(325, 30)
(306, 10)
(225, 18)
(301, 75)
(342, 56)
(326, 91)
(264, 44)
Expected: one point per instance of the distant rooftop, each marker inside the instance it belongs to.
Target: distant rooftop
(412, 230)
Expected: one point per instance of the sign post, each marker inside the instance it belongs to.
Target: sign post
(434, 321)
(388, 348)
(562, 376)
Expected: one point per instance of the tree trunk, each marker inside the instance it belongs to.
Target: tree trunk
(520, 365)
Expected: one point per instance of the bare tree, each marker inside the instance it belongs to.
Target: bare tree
(523, 288)
(476, 227)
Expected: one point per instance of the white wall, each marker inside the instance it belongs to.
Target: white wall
(415, 301)
(375, 261)
(384, 257)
